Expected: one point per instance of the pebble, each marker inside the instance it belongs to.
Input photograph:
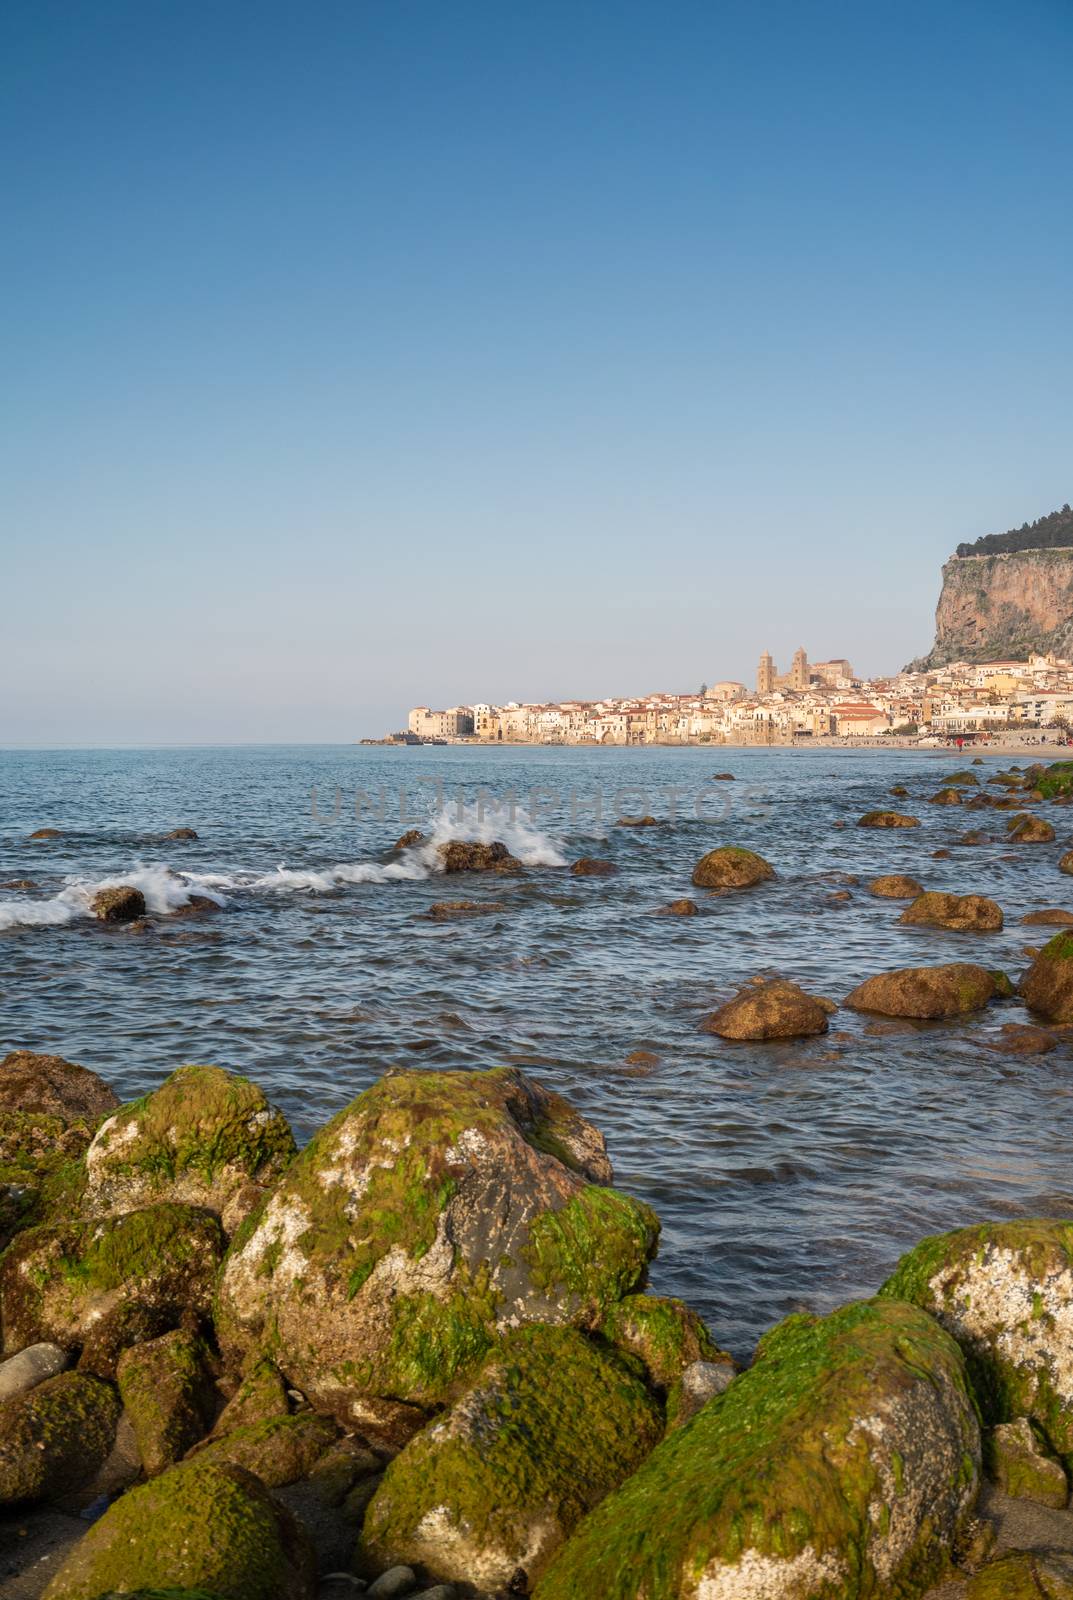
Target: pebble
(30, 1367)
(395, 1581)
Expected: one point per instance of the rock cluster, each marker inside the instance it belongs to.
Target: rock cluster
(422, 1352)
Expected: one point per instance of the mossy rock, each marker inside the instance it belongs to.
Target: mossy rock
(1026, 829)
(775, 1009)
(731, 867)
(1004, 1291)
(50, 1086)
(887, 819)
(953, 990)
(1047, 986)
(1024, 1575)
(279, 1450)
(844, 1463)
(205, 1138)
(496, 1485)
(260, 1394)
(961, 780)
(946, 797)
(168, 1395)
(961, 913)
(55, 1437)
(1020, 1461)
(1057, 779)
(435, 1211)
(61, 1282)
(895, 886)
(198, 1526)
(665, 1334)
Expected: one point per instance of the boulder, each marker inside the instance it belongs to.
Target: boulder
(844, 1462)
(1055, 780)
(55, 1438)
(895, 886)
(433, 1213)
(964, 913)
(124, 903)
(636, 822)
(1004, 1291)
(46, 833)
(1047, 986)
(409, 840)
(22, 1372)
(665, 1334)
(953, 990)
(961, 780)
(261, 1393)
(65, 1281)
(487, 1493)
(168, 1395)
(946, 797)
(776, 1009)
(592, 867)
(1051, 918)
(898, 790)
(200, 1526)
(679, 908)
(1020, 1462)
(451, 910)
(700, 1382)
(1030, 830)
(279, 1450)
(49, 1086)
(887, 819)
(730, 867)
(722, 777)
(463, 855)
(1024, 1575)
(181, 834)
(1066, 863)
(205, 1138)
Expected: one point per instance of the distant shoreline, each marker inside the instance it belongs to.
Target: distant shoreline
(995, 746)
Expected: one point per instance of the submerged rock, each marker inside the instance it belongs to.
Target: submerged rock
(637, 822)
(679, 908)
(50, 1086)
(887, 819)
(199, 1526)
(1047, 986)
(946, 797)
(181, 834)
(462, 855)
(1004, 1290)
(121, 904)
(1030, 830)
(206, 1137)
(433, 1213)
(409, 840)
(592, 867)
(952, 990)
(492, 1489)
(168, 1396)
(961, 780)
(46, 833)
(63, 1282)
(1050, 918)
(451, 910)
(1021, 1464)
(965, 913)
(54, 1438)
(665, 1334)
(1017, 1039)
(730, 867)
(895, 886)
(845, 1461)
(776, 1009)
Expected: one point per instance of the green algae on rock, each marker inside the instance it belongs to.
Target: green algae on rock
(496, 1484)
(1047, 986)
(1024, 1575)
(54, 1437)
(963, 913)
(434, 1212)
(60, 1282)
(774, 1009)
(731, 867)
(844, 1463)
(952, 990)
(278, 1450)
(1004, 1291)
(206, 1137)
(261, 1393)
(198, 1526)
(168, 1395)
(663, 1333)
(1020, 1461)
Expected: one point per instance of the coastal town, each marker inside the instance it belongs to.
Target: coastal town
(813, 701)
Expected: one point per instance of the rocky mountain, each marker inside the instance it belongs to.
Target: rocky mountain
(1005, 604)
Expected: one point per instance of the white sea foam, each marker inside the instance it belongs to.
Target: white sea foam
(166, 890)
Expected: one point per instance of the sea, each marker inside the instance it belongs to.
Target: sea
(787, 1176)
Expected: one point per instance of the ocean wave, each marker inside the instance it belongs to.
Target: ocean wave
(167, 890)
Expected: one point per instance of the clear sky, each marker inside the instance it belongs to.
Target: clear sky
(356, 355)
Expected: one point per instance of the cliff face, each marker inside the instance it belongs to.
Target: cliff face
(994, 607)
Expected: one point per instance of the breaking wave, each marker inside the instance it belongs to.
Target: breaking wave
(166, 890)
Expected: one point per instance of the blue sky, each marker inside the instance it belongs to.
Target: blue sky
(363, 354)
